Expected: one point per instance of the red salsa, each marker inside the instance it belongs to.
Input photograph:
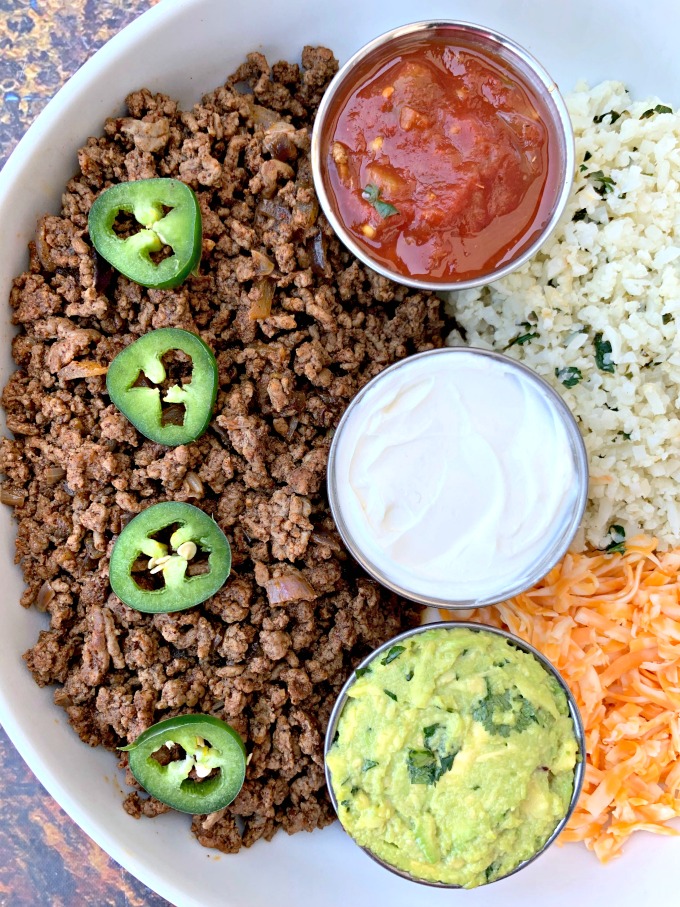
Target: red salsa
(439, 162)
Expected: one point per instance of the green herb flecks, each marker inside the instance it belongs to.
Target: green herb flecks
(429, 732)
(393, 653)
(569, 376)
(372, 195)
(446, 763)
(521, 339)
(614, 114)
(361, 671)
(422, 767)
(409, 675)
(618, 538)
(666, 317)
(368, 765)
(390, 694)
(425, 767)
(606, 182)
(660, 108)
(581, 214)
(603, 354)
(491, 871)
(491, 710)
(587, 156)
(346, 803)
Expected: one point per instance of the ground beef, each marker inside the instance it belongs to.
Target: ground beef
(77, 471)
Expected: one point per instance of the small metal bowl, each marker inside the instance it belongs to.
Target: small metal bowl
(532, 571)
(579, 771)
(387, 47)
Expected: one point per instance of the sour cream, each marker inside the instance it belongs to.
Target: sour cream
(457, 476)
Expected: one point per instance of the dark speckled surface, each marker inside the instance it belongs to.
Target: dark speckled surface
(45, 859)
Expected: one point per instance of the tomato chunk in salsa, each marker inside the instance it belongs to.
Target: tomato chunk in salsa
(438, 162)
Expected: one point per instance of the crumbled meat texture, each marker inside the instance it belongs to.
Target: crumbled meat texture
(80, 471)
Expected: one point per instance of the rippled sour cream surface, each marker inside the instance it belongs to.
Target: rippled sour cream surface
(454, 476)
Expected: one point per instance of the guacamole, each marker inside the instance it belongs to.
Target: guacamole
(454, 756)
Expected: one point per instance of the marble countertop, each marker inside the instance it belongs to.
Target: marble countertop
(45, 859)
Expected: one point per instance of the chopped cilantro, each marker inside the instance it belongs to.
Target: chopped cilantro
(361, 671)
(569, 376)
(614, 114)
(445, 763)
(618, 537)
(603, 354)
(372, 195)
(606, 182)
(409, 675)
(368, 765)
(496, 705)
(581, 214)
(521, 339)
(393, 653)
(667, 317)
(490, 871)
(587, 156)
(345, 803)
(660, 108)
(430, 731)
(390, 694)
(424, 767)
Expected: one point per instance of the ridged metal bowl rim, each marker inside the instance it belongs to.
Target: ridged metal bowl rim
(516, 56)
(550, 557)
(579, 734)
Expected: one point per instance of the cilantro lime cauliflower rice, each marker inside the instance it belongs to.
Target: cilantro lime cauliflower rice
(597, 311)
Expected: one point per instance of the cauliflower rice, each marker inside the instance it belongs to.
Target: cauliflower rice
(597, 311)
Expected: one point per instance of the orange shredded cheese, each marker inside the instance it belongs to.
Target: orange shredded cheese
(610, 623)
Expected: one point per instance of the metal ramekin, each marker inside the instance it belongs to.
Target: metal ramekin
(535, 571)
(579, 771)
(518, 59)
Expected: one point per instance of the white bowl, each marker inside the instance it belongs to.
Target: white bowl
(185, 48)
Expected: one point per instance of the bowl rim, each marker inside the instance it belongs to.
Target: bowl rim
(549, 558)
(519, 643)
(554, 102)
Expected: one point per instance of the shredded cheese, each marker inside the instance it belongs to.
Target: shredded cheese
(610, 623)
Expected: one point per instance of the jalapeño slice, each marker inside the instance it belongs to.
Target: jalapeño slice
(140, 364)
(169, 214)
(212, 749)
(194, 534)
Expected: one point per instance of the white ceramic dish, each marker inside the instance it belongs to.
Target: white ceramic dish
(186, 47)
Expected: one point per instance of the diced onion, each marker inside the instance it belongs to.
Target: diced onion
(261, 304)
(45, 595)
(291, 586)
(54, 474)
(11, 497)
(85, 369)
(263, 265)
(194, 483)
